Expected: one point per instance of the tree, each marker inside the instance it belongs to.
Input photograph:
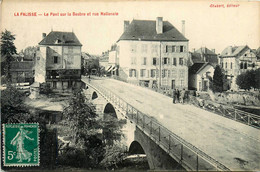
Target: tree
(218, 79)
(92, 137)
(249, 79)
(257, 79)
(8, 49)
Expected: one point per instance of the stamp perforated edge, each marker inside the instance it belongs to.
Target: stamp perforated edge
(20, 165)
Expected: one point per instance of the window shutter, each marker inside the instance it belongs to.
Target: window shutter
(169, 48)
(177, 49)
(164, 49)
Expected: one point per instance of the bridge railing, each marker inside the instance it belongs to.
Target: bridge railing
(185, 153)
(230, 112)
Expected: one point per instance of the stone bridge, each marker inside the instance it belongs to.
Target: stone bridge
(144, 135)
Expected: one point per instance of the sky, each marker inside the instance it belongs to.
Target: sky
(205, 26)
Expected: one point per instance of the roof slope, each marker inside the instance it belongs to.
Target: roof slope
(197, 67)
(205, 50)
(60, 38)
(146, 30)
(235, 50)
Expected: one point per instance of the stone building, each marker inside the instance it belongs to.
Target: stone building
(58, 61)
(236, 60)
(154, 54)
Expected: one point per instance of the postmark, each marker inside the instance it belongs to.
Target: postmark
(21, 144)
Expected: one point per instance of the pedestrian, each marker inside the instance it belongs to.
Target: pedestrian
(177, 95)
(174, 96)
(182, 93)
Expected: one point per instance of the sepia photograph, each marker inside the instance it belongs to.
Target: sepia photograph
(129, 85)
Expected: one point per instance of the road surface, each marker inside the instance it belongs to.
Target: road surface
(235, 145)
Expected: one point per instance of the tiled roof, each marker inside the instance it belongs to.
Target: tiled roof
(197, 67)
(197, 58)
(60, 38)
(205, 50)
(146, 30)
(235, 50)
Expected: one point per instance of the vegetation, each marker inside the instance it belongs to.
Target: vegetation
(218, 80)
(8, 49)
(249, 79)
(90, 137)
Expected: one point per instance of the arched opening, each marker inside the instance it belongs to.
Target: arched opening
(136, 158)
(94, 95)
(136, 148)
(109, 111)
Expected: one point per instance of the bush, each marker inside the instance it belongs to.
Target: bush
(249, 79)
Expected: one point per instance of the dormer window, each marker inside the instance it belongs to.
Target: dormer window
(58, 41)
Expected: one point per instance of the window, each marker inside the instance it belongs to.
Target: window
(132, 73)
(182, 48)
(166, 48)
(174, 62)
(153, 73)
(55, 59)
(154, 61)
(165, 60)
(144, 48)
(142, 73)
(253, 65)
(231, 65)
(173, 49)
(144, 61)
(222, 64)
(226, 65)
(133, 60)
(180, 61)
(245, 65)
(164, 73)
(241, 66)
(54, 84)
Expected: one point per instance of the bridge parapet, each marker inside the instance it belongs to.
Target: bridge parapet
(189, 156)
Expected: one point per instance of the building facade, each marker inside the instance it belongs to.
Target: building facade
(200, 75)
(58, 61)
(154, 54)
(236, 60)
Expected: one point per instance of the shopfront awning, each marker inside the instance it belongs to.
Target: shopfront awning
(114, 69)
(108, 67)
(111, 68)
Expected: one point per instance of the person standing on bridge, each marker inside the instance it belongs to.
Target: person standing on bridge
(182, 94)
(174, 96)
(177, 94)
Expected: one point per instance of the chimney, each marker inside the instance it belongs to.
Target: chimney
(183, 27)
(159, 25)
(126, 24)
(213, 50)
(43, 35)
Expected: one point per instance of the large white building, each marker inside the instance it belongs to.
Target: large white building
(153, 53)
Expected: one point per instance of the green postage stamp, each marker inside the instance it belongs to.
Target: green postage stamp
(21, 144)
